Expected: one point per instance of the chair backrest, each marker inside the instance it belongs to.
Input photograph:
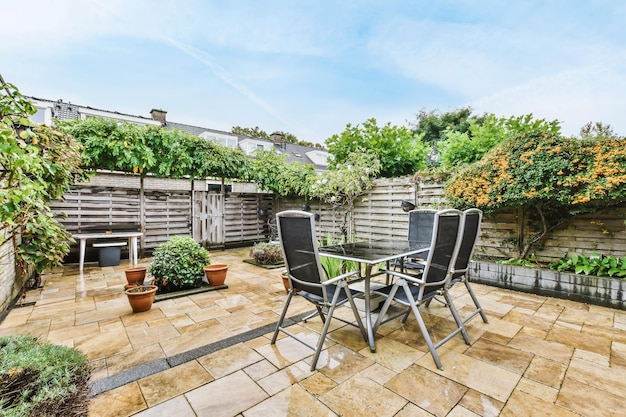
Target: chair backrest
(443, 248)
(421, 223)
(470, 226)
(296, 232)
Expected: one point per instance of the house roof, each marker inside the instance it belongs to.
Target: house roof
(295, 153)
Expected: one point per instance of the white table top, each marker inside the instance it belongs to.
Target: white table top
(104, 235)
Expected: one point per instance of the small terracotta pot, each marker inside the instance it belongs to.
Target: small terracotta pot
(285, 278)
(136, 274)
(141, 297)
(285, 281)
(216, 274)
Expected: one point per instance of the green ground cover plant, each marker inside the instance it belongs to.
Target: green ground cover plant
(41, 379)
(595, 264)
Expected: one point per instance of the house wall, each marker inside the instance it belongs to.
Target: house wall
(10, 281)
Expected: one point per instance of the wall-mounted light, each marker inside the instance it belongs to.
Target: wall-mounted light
(407, 206)
(305, 207)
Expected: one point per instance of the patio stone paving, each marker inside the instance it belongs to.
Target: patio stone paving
(209, 354)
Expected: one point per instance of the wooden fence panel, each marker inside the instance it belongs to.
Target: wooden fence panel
(430, 195)
(167, 214)
(87, 206)
(165, 208)
(241, 218)
(378, 214)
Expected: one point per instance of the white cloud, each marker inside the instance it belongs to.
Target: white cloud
(574, 97)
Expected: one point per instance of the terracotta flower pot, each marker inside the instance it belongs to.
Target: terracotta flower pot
(141, 297)
(135, 275)
(286, 282)
(216, 274)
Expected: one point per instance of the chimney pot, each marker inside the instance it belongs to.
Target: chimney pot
(158, 115)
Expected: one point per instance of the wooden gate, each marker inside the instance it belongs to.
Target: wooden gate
(208, 218)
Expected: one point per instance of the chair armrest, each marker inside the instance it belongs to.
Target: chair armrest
(404, 276)
(340, 277)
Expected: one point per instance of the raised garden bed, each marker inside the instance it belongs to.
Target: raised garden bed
(271, 266)
(602, 291)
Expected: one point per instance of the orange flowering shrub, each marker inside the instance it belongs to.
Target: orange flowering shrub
(553, 177)
(564, 175)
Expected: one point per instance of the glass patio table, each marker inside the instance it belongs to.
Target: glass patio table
(371, 253)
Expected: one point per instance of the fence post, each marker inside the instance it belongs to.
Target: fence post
(142, 217)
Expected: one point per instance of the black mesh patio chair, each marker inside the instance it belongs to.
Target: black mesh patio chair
(472, 219)
(296, 232)
(413, 291)
(421, 222)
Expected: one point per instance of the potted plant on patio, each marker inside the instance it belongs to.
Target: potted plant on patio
(141, 297)
(135, 275)
(178, 264)
(216, 274)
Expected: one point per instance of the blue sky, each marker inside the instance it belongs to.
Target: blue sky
(311, 67)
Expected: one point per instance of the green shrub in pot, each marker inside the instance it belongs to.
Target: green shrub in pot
(178, 264)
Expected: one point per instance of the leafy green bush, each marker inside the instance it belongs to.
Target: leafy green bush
(178, 264)
(38, 164)
(265, 253)
(344, 183)
(41, 379)
(468, 147)
(400, 151)
(114, 145)
(598, 265)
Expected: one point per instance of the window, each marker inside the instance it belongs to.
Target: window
(216, 188)
(40, 116)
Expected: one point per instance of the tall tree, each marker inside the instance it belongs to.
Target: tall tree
(400, 151)
(435, 126)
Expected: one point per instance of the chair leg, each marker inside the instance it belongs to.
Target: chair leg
(424, 330)
(427, 303)
(327, 321)
(282, 317)
(386, 304)
(475, 300)
(321, 314)
(457, 318)
(355, 311)
(405, 316)
(310, 316)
